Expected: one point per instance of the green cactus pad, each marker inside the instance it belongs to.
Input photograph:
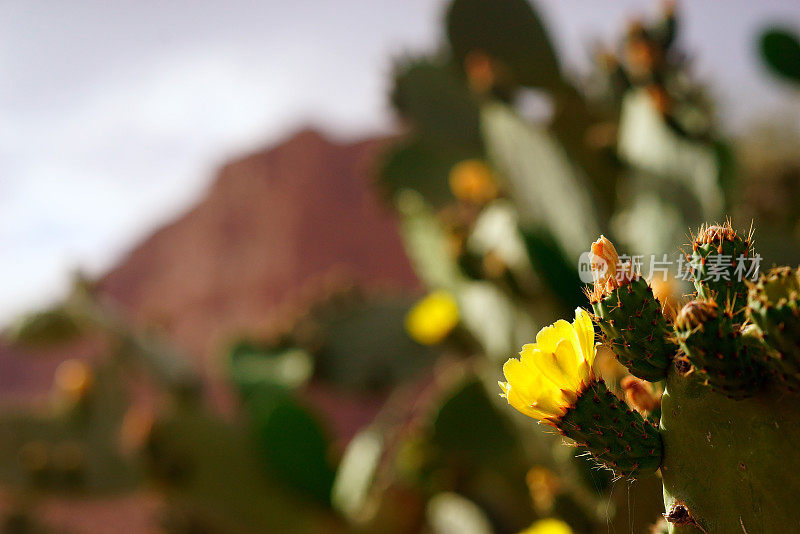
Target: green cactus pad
(615, 435)
(432, 97)
(510, 31)
(729, 466)
(633, 324)
(728, 361)
(720, 260)
(774, 307)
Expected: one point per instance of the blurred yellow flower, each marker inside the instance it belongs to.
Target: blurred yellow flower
(432, 318)
(550, 374)
(544, 486)
(473, 181)
(548, 526)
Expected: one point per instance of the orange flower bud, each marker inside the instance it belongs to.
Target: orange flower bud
(608, 272)
(640, 394)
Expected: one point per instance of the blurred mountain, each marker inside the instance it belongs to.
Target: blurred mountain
(272, 228)
(272, 223)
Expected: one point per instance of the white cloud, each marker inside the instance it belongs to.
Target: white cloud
(82, 185)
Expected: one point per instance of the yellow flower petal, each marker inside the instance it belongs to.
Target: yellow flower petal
(559, 366)
(585, 331)
(547, 378)
(568, 357)
(548, 337)
(528, 391)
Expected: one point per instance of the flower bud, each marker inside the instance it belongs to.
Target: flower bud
(696, 313)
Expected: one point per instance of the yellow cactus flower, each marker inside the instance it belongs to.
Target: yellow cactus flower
(432, 318)
(472, 180)
(551, 373)
(548, 526)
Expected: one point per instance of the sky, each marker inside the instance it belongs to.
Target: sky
(115, 115)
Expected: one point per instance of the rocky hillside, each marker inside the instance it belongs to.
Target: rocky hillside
(271, 224)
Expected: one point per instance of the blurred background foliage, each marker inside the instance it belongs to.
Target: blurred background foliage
(505, 171)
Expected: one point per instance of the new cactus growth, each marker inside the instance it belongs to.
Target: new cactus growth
(729, 420)
(719, 263)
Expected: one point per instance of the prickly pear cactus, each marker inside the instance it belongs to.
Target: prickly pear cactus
(727, 441)
(728, 464)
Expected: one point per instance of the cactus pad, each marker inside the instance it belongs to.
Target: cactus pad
(730, 466)
(615, 435)
(774, 307)
(632, 322)
(721, 355)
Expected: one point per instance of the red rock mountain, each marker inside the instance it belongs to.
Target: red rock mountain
(270, 224)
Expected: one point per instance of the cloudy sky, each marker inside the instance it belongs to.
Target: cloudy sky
(114, 115)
